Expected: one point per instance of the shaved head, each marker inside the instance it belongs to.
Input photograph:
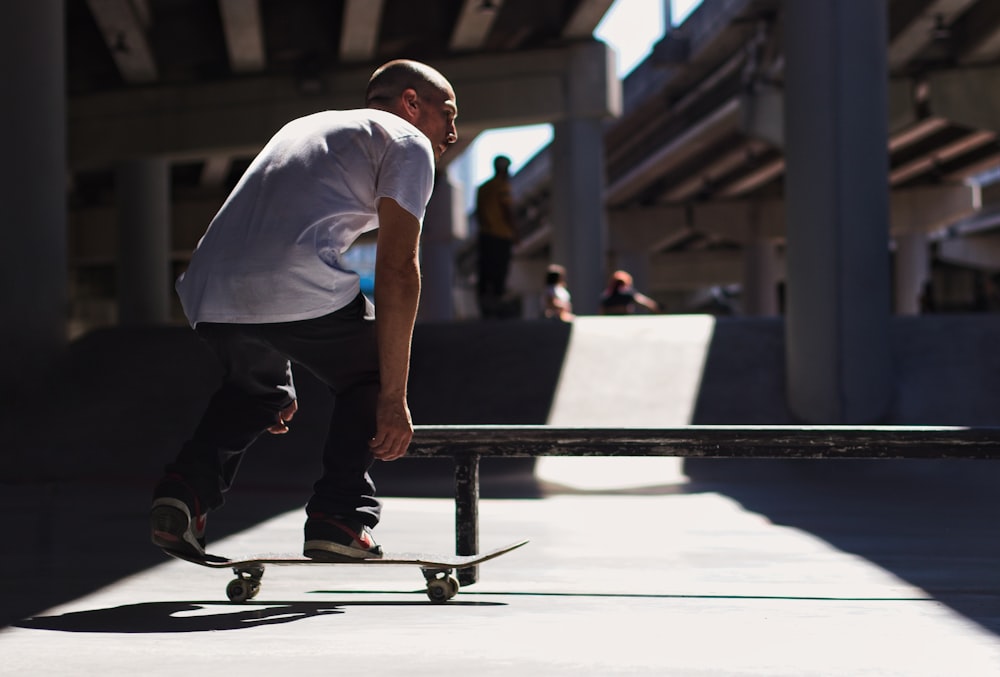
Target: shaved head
(390, 80)
(420, 95)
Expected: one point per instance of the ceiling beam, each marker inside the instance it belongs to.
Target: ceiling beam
(913, 39)
(496, 90)
(125, 35)
(967, 171)
(359, 35)
(928, 163)
(585, 18)
(764, 174)
(722, 121)
(720, 165)
(976, 251)
(977, 37)
(930, 208)
(244, 34)
(695, 269)
(474, 24)
(967, 96)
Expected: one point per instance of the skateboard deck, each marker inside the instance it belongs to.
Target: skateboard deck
(438, 570)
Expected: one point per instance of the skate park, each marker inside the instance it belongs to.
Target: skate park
(788, 562)
(635, 566)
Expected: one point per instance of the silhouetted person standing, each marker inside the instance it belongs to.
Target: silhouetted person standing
(497, 235)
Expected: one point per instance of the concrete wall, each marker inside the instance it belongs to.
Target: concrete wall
(124, 399)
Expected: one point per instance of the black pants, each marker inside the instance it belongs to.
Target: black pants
(494, 263)
(342, 351)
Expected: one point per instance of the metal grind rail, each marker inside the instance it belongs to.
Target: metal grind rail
(468, 443)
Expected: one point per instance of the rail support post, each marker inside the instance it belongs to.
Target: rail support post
(467, 513)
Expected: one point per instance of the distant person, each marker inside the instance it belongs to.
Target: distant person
(621, 298)
(267, 287)
(497, 235)
(556, 301)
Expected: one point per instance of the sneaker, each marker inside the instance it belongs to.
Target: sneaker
(172, 527)
(334, 540)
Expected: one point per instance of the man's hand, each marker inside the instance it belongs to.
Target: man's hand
(284, 416)
(394, 429)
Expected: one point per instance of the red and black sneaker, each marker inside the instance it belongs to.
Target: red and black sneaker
(331, 539)
(175, 525)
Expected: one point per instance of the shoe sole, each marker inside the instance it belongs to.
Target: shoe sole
(168, 526)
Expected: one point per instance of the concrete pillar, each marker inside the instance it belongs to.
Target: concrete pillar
(837, 328)
(579, 228)
(527, 280)
(142, 192)
(437, 252)
(33, 277)
(760, 279)
(913, 270)
(579, 222)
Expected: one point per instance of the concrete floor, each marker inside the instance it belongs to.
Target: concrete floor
(764, 568)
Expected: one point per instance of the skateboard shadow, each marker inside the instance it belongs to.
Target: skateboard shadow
(175, 617)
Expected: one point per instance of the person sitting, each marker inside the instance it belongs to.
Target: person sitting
(621, 298)
(556, 299)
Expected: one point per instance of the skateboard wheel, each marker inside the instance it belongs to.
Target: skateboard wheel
(440, 590)
(240, 590)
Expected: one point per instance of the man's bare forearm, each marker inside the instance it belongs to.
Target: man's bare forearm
(397, 294)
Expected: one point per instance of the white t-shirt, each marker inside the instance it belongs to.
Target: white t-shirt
(272, 253)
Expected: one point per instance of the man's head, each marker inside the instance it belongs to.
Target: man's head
(501, 165)
(420, 95)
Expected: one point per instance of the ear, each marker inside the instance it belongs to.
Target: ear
(410, 102)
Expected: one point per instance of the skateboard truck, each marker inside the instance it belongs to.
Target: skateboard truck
(246, 585)
(442, 584)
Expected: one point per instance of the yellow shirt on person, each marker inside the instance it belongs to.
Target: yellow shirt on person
(494, 204)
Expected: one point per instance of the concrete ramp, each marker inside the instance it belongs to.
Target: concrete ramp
(642, 371)
(639, 370)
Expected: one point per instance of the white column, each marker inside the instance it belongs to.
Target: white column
(579, 230)
(527, 280)
(437, 252)
(33, 276)
(836, 129)
(579, 221)
(142, 192)
(913, 269)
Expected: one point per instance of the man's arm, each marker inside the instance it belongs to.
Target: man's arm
(397, 293)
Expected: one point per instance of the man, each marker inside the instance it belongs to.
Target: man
(497, 235)
(266, 287)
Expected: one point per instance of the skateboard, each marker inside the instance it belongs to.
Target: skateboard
(438, 570)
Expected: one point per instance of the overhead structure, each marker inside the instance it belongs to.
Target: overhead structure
(699, 178)
(183, 93)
